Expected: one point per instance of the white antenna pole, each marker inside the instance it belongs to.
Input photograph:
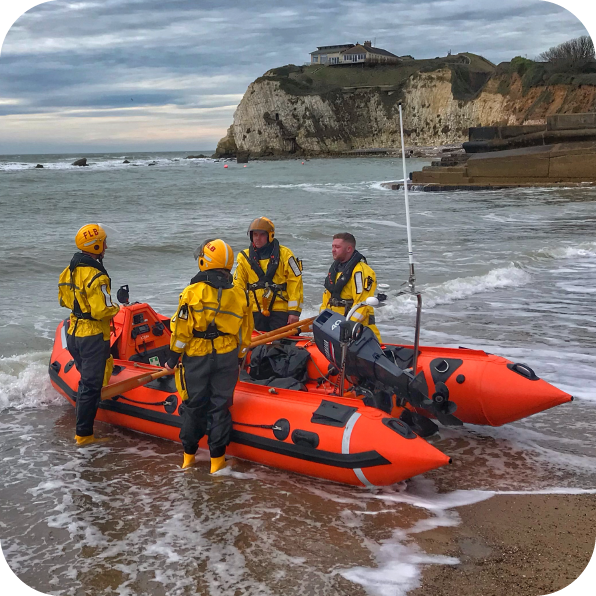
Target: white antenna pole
(412, 278)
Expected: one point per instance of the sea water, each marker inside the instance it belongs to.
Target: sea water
(512, 272)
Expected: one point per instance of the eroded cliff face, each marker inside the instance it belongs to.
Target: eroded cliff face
(271, 121)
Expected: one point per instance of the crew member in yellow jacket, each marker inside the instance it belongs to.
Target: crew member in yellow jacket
(350, 280)
(211, 330)
(272, 276)
(84, 288)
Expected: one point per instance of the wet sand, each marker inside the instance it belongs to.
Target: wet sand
(527, 545)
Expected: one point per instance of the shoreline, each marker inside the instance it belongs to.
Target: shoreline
(432, 187)
(527, 545)
(422, 152)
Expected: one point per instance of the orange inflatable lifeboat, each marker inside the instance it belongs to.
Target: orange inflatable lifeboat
(312, 431)
(357, 432)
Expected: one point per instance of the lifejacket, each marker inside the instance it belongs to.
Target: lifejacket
(220, 281)
(216, 279)
(81, 259)
(265, 277)
(334, 284)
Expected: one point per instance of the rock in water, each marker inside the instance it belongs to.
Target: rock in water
(80, 162)
(39, 166)
(242, 156)
(126, 161)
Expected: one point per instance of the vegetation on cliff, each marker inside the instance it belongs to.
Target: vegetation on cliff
(565, 64)
(573, 55)
(471, 72)
(570, 63)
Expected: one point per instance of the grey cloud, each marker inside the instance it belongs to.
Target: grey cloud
(187, 53)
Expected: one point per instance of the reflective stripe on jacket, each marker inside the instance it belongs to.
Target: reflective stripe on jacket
(288, 272)
(362, 285)
(198, 307)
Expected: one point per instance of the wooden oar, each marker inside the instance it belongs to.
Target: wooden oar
(132, 383)
(266, 338)
(290, 327)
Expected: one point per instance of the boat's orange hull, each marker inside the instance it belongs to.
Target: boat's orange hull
(366, 448)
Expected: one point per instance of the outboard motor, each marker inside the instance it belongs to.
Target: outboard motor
(365, 360)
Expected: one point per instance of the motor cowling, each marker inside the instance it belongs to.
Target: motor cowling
(365, 359)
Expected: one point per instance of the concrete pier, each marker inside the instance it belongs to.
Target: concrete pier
(562, 164)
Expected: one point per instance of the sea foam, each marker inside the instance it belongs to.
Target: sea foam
(456, 289)
(24, 382)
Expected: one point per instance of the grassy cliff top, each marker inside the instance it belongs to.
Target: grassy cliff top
(471, 73)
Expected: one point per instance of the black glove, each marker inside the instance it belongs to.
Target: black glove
(173, 359)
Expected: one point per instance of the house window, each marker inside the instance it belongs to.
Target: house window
(315, 58)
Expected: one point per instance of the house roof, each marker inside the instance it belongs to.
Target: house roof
(358, 48)
(331, 49)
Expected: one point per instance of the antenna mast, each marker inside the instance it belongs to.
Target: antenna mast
(412, 276)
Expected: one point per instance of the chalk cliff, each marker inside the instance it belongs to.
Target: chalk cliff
(313, 110)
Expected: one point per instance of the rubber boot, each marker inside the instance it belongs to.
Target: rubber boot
(217, 464)
(189, 460)
(89, 440)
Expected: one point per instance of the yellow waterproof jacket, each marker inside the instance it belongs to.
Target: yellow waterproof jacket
(289, 272)
(361, 286)
(84, 288)
(201, 304)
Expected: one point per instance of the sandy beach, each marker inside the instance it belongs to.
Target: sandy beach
(527, 545)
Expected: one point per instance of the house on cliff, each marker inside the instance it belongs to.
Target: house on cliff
(329, 54)
(352, 54)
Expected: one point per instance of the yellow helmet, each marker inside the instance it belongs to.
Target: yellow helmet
(91, 238)
(262, 224)
(215, 254)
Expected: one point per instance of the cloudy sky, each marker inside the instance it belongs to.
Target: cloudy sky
(147, 75)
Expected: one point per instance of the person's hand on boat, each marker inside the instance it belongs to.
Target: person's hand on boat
(172, 361)
(293, 319)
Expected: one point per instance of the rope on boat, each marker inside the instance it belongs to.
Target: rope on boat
(267, 426)
(142, 403)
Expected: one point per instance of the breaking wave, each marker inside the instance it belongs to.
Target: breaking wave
(330, 187)
(104, 163)
(585, 249)
(457, 289)
(24, 382)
